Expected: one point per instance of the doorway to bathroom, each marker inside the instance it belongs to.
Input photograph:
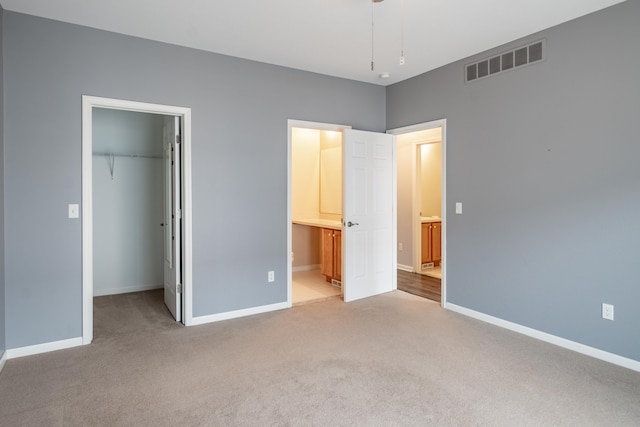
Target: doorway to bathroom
(316, 213)
(348, 199)
(421, 181)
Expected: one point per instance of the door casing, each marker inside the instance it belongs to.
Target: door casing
(88, 103)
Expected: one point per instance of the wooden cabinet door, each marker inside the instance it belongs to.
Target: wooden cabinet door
(327, 253)
(426, 243)
(337, 255)
(436, 242)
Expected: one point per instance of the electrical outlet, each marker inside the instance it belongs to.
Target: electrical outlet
(271, 276)
(607, 311)
(399, 246)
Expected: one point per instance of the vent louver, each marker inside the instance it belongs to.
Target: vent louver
(505, 61)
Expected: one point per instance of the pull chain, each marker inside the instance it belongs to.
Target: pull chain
(402, 32)
(372, 38)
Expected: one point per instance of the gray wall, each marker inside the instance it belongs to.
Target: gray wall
(2, 279)
(128, 206)
(239, 110)
(545, 160)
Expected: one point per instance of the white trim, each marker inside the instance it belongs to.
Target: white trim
(417, 127)
(187, 200)
(443, 263)
(394, 213)
(88, 103)
(3, 360)
(291, 123)
(406, 268)
(306, 267)
(30, 350)
(125, 290)
(441, 123)
(87, 221)
(416, 199)
(201, 320)
(551, 339)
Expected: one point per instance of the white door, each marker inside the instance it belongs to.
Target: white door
(368, 247)
(172, 218)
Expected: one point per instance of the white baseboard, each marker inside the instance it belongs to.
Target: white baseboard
(30, 350)
(551, 339)
(201, 320)
(3, 360)
(406, 268)
(125, 290)
(306, 267)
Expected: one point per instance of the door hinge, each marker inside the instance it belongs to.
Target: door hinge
(178, 139)
(179, 288)
(179, 214)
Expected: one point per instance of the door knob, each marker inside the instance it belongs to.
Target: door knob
(351, 224)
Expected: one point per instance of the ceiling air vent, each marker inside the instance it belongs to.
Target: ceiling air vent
(505, 61)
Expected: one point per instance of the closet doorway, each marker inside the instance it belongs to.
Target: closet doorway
(136, 203)
(128, 201)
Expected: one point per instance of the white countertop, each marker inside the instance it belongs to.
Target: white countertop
(426, 219)
(317, 222)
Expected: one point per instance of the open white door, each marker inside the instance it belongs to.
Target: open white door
(172, 218)
(368, 248)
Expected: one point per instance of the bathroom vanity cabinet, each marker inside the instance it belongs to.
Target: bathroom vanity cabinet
(332, 254)
(431, 243)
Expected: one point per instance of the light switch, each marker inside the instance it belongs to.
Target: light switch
(74, 210)
(459, 208)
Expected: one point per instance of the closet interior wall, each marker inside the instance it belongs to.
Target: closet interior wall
(128, 204)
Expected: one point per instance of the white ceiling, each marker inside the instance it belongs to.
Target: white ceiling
(325, 36)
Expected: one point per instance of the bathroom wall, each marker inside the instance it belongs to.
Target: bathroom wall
(331, 175)
(305, 244)
(431, 179)
(316, 181)
(405, 149)
(305, 173)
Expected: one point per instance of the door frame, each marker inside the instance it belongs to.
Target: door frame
(417, 199)
(292, 123)
(88, 103)
(441, 123)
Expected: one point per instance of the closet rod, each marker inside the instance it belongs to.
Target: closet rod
(126, 155)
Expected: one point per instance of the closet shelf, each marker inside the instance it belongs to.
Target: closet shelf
(127, 155)
(111, 158)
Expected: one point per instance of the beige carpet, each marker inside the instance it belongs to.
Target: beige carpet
(391, 360)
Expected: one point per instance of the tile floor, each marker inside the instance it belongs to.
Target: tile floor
(433, 272)
(311, 285)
